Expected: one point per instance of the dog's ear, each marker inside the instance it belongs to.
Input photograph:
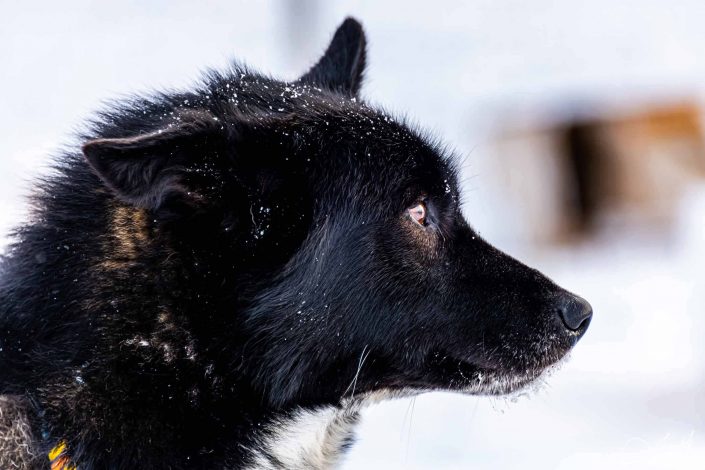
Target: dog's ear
(342, 66)
(144, 169)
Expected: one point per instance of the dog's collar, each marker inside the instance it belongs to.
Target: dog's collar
(59, 458)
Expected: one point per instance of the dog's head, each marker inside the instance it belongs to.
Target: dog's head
(330, 240)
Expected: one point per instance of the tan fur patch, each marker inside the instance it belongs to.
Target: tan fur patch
(130, 230)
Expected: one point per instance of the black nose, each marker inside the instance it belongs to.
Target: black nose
(574, 311)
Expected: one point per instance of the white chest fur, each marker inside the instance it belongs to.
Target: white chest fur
(306, 439)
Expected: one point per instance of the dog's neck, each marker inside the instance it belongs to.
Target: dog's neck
(310, 439)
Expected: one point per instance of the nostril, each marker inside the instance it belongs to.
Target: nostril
(574, 311)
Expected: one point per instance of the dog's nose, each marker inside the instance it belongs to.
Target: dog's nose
(574, 311)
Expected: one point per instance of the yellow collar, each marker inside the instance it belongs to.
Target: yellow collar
(59, 458)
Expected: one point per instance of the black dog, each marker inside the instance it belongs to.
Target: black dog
(223, 277)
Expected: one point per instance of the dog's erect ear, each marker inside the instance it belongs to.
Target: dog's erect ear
(146, 168)
(343, 64)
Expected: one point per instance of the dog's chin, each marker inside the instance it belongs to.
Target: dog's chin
(495, 382)
(458, 375)
(468, 379)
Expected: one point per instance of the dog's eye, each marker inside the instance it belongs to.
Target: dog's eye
(418, 213)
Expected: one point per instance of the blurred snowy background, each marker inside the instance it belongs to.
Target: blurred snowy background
(581, 123)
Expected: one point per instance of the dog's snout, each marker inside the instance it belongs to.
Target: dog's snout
(575, 312)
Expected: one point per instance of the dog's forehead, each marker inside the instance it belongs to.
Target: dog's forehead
(392, 147)
(358, 135)
(376, 138)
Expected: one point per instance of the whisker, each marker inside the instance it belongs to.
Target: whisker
(360, 363)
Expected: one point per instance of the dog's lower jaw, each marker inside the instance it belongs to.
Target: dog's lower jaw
(494, 383)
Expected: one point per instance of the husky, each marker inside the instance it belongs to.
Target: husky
(222, 278)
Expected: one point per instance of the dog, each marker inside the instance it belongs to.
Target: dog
(224, 277)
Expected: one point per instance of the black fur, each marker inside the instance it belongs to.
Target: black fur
(214, 260)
